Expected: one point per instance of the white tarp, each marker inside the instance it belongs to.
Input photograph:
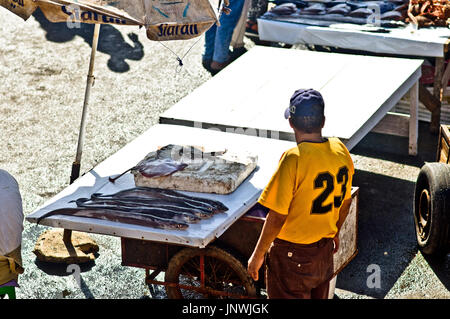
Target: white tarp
(402, 41)
(11, 214)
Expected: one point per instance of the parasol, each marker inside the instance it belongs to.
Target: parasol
(164, 20)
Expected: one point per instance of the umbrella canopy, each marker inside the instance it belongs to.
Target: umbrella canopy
(163, 19)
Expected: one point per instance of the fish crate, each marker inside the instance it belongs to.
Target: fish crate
(443, 150)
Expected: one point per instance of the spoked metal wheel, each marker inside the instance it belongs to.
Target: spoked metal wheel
(207, 273)
(432, 208)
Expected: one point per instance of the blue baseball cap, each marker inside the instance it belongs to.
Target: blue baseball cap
(305, 102)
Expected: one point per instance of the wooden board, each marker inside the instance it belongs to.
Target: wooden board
(348, 236)
(251, 94)
(443, 154)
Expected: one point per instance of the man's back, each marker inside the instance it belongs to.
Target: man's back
(310, 185)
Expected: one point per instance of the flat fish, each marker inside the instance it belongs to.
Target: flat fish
(159, 167)
(317, 8)
(361, 13)
(392, 15)
(340, 9)
(118, 216)
(284, 9)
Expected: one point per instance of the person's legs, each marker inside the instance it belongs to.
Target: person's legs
(327, 269)
(225, 31)
(210, 37)
(298, 271)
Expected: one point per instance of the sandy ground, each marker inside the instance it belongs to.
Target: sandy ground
(43, 69)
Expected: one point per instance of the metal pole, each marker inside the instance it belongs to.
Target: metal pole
(90, 81)
(67, 236)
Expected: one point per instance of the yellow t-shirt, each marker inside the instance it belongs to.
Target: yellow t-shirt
(309, 186)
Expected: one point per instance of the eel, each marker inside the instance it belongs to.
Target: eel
(118, 216)
(218, 206)
(163, 212)
(146, 203)
(204, 210)
(169, 195)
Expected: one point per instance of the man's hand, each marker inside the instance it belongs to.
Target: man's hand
(254, 264)
(270, 230)
(336, 243)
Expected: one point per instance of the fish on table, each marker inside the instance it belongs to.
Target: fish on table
(125, 217)
(144, 206)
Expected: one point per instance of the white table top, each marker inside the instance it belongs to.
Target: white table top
(429, 42)
(253, 92)
(197, 235)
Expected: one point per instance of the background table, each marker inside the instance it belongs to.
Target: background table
(251, 94)
(426, 42)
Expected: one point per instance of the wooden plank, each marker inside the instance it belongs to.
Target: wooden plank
(437, 92)
(413, 119)
(443, 153)
(393, 124)
(348, 235)
(429, 100)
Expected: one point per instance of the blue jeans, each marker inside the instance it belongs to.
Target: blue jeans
(218, 39)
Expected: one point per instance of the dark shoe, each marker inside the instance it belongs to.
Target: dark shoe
(216, 67)
(207, 65)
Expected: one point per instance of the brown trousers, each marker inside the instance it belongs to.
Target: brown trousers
(299, 271)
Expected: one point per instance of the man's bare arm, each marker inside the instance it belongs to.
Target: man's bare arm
(271, 229)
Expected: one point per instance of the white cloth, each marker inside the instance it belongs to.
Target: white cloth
(11, 213)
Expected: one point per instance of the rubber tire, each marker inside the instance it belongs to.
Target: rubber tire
(432, 197)
(179, 259)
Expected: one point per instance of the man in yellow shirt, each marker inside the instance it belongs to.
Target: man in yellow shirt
(308, 198)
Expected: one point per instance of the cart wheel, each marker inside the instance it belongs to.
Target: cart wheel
(223, 276)
(432, 208)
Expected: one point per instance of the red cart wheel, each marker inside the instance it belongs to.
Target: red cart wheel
(207, 273)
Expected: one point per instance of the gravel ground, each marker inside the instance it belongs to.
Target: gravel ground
(44, 67)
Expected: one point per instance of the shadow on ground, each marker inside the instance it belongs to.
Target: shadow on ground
(110, 40)
(55, 269)
(386, 235)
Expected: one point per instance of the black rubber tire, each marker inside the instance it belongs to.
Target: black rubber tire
(185, 262)
(432, 208)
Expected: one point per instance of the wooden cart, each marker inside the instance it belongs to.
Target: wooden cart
(220, 269)
(210, 257)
